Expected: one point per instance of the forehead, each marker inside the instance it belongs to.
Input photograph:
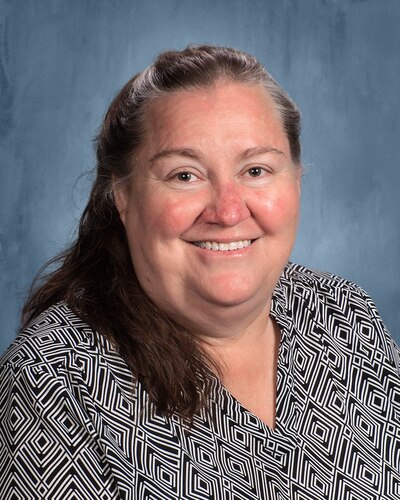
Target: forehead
(220, 95)
(204, 114)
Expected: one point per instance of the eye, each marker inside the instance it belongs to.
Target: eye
(182, 178)
(256, 172)
(185, 177)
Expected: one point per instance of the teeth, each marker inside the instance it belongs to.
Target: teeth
(223, 247)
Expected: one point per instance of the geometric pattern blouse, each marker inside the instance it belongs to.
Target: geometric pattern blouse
(73, 425)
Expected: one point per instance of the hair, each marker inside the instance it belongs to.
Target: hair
(96, 277)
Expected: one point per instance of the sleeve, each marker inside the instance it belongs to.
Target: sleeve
(48, 446)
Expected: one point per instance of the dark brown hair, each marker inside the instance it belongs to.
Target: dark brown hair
(96, 276)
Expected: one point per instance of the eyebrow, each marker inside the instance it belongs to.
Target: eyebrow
(249, 153)
(165, 153)
(191, 153)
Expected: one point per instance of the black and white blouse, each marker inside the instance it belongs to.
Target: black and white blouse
(73, 426)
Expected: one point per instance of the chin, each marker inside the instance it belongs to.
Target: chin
(228, 293)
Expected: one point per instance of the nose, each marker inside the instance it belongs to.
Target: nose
(227, 206)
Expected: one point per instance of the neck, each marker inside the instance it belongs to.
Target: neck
(242, 343)
(236, 336)
(230, 325)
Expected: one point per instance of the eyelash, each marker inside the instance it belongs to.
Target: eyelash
(263, 172)
(185, 173)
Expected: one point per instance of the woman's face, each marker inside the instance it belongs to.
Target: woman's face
(212, 208)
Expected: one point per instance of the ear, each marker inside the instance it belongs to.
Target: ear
(120, 192)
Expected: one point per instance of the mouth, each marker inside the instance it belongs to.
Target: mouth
(223, 247)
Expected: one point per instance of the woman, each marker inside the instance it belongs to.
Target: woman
(176, 353)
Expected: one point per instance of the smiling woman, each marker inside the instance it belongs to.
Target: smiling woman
(175, 352)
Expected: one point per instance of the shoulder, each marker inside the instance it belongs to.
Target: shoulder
(64, 390)
(316, 288)
(339, 309)
(49, 338)
(58, 340)
(318, 281)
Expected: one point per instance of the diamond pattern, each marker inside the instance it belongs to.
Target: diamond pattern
(73, 426)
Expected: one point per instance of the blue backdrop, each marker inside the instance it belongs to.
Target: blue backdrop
(62, 62)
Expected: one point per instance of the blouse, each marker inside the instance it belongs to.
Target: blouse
(74, 425)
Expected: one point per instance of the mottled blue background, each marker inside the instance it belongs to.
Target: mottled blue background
(62, 61)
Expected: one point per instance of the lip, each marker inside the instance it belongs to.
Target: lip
(223, 241)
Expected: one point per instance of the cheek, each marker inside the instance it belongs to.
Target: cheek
(169, 216)
(279, 210)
